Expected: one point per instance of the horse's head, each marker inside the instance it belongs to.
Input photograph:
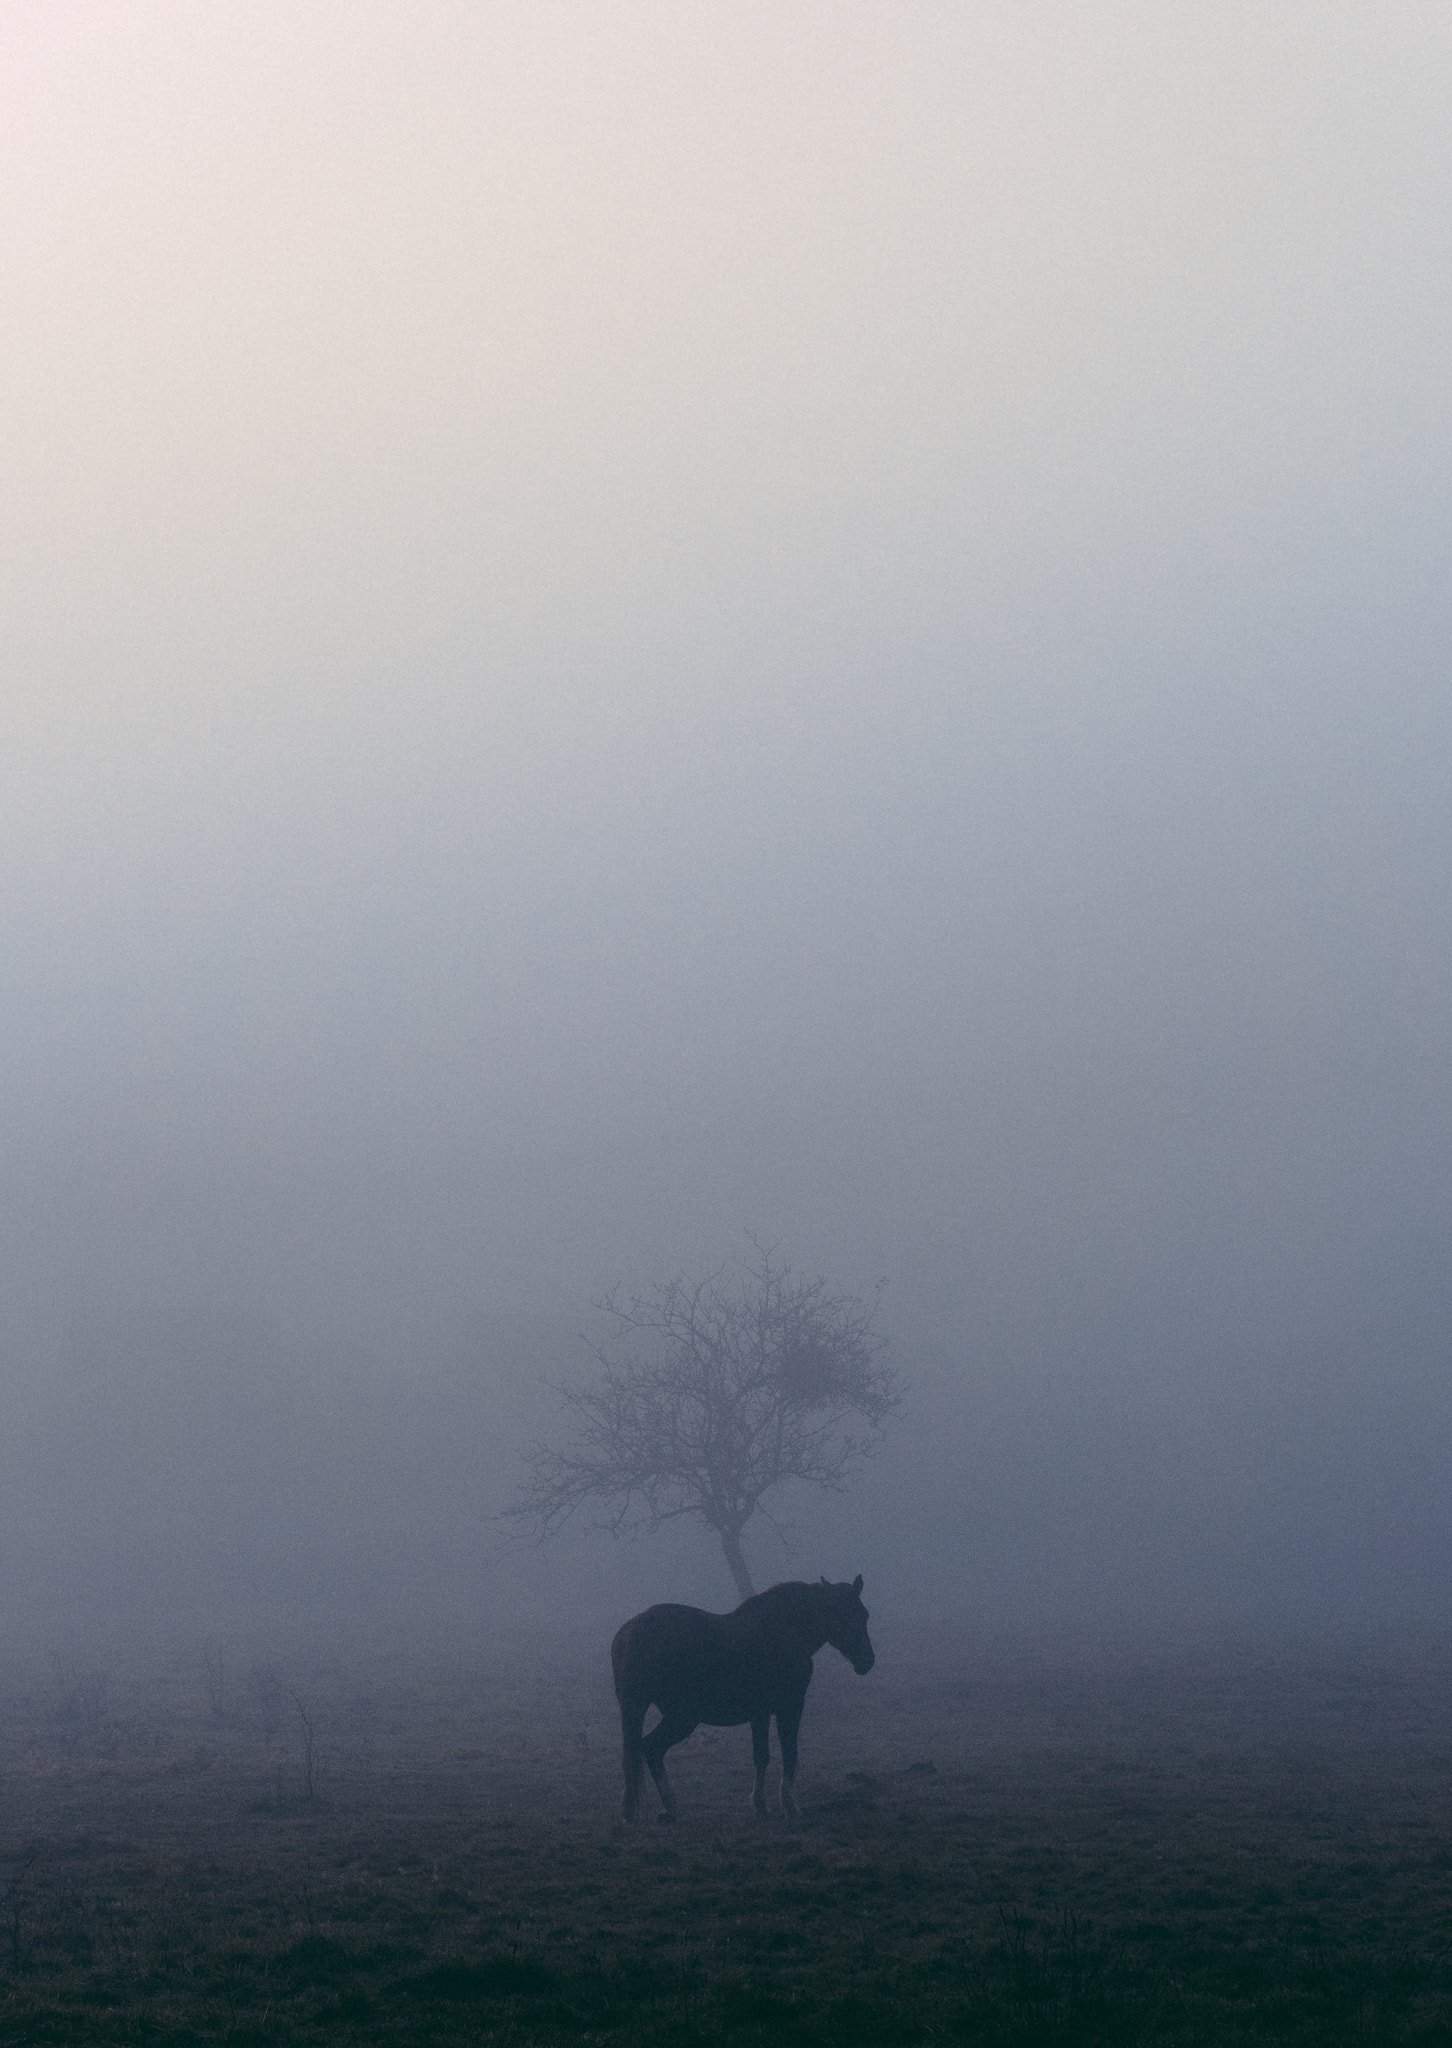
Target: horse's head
(847, 1624)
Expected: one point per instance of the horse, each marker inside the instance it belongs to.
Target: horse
(726, 1669)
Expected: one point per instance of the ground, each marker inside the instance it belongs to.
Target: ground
(1000, 1842)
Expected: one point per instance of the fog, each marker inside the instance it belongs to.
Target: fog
(634, 624)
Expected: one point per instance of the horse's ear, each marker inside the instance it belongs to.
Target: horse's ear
(857, 1583)
(825, 1580)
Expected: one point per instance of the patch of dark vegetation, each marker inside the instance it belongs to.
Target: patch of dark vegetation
(314, 1960)
(500, 1977)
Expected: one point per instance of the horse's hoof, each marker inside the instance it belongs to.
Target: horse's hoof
(663, 1818)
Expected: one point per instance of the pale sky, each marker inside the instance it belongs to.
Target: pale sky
(624, 623)
(429, 375)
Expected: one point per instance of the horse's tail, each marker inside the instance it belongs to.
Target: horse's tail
(632, 1720)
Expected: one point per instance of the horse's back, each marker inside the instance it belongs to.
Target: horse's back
(702, 1667)
(661, 1636)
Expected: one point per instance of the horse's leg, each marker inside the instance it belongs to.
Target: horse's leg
(787, 1724)
(667, 1732)
(632, 1718)
(760, 1756)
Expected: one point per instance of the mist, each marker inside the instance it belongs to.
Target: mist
(632, 625)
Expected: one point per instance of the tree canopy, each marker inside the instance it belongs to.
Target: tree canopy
(709, 1395)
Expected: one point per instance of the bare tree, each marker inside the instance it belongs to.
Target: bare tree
(709, 1395)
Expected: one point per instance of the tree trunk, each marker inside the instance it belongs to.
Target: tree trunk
(731, 1547)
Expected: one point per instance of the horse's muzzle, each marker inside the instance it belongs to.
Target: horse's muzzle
(863, 1662)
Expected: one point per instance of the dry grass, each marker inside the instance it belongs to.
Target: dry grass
(998, 1848)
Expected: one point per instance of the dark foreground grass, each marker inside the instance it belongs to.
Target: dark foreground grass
(1179, 1849)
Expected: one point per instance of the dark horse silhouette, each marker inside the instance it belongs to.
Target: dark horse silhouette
(725, 1669)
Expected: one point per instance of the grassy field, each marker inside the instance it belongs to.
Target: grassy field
(997, 1845)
